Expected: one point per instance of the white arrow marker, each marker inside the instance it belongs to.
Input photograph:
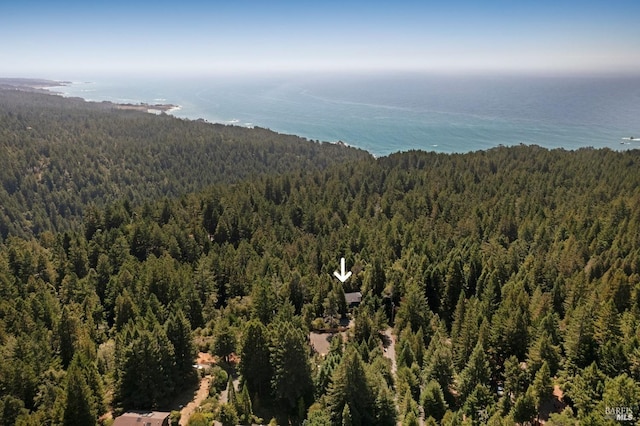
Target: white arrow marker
(342, 276)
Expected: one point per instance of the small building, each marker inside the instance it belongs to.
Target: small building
(353, 299)
(143, 418)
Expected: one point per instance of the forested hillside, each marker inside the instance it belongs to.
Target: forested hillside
(503, 273)
(58, 155)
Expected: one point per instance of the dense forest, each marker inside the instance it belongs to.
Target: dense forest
(508, 281)
(59, 155)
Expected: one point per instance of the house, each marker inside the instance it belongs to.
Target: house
(353, 299)
(143, 418)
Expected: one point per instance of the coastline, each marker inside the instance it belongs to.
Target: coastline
(145, 107)
(394, 118)
(44, 86)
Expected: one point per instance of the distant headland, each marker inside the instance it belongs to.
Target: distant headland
(30, 84)
(155, 108)
(42, 86)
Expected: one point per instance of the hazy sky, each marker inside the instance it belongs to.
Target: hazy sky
(54, 39)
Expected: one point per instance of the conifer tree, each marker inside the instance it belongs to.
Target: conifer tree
(255, 364)
(179, 334)
(346, 416)
(80, 408)
(542, 385)
(432, 401)
(349, 386)
(291, 379)
(246, 408)
(477, 372)
(225, 340)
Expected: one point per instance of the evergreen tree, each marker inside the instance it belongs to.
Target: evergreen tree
(179, 334)
(432, 401)
(255, 364)
(543, 351)
(80, 408)
(586, 388)
(385, 408)
(515, 378)
(579, 343)
(479, 404)
(232, 399)
(414, 312)
(510, 324)
(349, 387)
(263, 302)
(144, 366)
(346, 416)
(291, 378)
(524, 409)
(542, 385)
(622, 391)
(477, 372)
(225, 340)
(245, 407)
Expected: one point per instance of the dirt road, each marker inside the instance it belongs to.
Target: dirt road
(201, 395)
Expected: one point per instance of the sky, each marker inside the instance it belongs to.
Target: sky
(56, 39)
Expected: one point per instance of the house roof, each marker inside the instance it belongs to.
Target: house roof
(142, 418)
(352, 298)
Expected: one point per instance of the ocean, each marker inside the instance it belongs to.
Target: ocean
(386, 113)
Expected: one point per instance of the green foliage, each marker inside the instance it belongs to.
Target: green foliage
(255, 364)
(67, 152)
(179, 334)
(586, 388)
(432, 401)
(145, 366)
(524, 409)
(201, 419)
(219, 379)
(533, 253)
(542, 386)
(291, 379)
(349, 386)
(81, 408)
(174, 418)
(476, 372)
(225, 340)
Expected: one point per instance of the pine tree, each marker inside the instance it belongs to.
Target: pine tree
(433, 401)
(586, 388)
(246, 408)
(510, 324)
(349, 386)
(579, 343)
(524, 409)
(542, 385)
(179, 334)
(515, 378)
(225, 340)
(477, 372)
(255, 364)
(346, 416)
(231, 394)
(80, 408)
(541, 351)
(291, 378)
(414, 312)
(263, 302)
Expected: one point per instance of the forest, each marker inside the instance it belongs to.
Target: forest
(59, 155)
(508, 279)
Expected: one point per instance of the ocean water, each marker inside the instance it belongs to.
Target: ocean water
(399, 112)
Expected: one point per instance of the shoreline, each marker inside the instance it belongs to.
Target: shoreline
(43, 86)
(145, 107)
